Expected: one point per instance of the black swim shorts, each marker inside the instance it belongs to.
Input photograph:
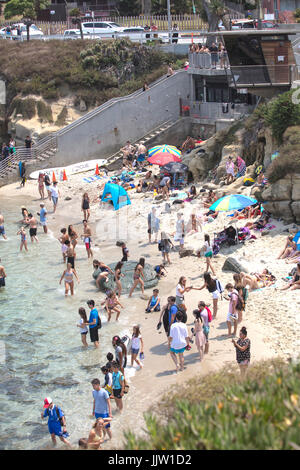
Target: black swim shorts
(32, 232)
(94, 334)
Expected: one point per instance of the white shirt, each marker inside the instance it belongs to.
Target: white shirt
(164, 181)
(208, 248)
(178, 333)
(85, 328)
(136, 342)
(54, 191)
(178, 293)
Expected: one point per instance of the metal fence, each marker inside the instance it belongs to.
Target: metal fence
(205, 60)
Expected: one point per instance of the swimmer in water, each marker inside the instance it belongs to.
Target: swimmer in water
(32, 228)
(68, 276)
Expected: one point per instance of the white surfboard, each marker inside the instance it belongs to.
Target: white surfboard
(70, 169)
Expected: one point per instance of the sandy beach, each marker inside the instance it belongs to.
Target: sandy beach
(271, 317)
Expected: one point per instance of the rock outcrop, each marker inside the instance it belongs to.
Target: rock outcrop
(282, 198)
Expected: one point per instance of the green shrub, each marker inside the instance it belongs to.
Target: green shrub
(281, 113)
(288, 161)
(222, 412)
(26, 107)
(44, 112)
(62, 117)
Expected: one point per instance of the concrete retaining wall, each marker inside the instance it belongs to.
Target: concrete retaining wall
(130, 118)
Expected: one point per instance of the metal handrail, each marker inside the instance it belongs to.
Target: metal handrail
(112, 101)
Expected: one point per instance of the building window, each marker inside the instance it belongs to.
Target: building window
(199, 89)
(217, 93)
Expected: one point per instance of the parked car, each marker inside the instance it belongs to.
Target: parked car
(34, 31)
(101, 27)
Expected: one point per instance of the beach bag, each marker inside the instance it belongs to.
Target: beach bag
(160, 246)
(240, 303)
(220, 288)
(248, 181)
(245, 294)
(209, 314)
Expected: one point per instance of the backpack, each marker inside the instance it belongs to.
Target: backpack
(160, 246)
(58, 415)
(245, 294)
(99, 324)
(47, 180)
(220, 288)
(209, 314)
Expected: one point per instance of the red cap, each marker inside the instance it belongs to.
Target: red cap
(47, 402)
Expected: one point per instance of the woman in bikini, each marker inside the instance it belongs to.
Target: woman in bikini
(138, 274)
(117, 278)
(68, 276)
(23, 238)
(295, 282)
(258, 280)
(72, 235)
(41, 185)
(111, 304)
(96, 436)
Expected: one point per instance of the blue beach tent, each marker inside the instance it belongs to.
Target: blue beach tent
(116, 194)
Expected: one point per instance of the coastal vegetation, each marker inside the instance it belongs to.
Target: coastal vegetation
(221, 411)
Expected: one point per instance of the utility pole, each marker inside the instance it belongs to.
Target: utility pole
(169, 19)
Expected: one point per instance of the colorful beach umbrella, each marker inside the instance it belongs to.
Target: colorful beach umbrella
(233, 202)
(162, 158)
(164, 149)
(296, 239)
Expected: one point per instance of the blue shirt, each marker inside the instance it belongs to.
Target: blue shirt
(153, 301)
(172, 310)
(101, 396)
(52, 414)
(93, 315)
(43, 213)
(117, 377)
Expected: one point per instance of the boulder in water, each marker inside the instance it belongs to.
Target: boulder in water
(232, 264)
(150, 279)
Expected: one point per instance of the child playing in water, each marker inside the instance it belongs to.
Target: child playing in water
(111, 303)
(68, 275)
(22, 232)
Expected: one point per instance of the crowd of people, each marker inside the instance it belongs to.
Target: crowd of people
(173, 313)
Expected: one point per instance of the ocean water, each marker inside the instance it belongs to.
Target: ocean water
(40, 346)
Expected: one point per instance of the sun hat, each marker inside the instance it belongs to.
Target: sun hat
(47, 402)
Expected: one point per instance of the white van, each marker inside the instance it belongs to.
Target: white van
(106, 28)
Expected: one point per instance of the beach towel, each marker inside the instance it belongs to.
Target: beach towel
(91, 179)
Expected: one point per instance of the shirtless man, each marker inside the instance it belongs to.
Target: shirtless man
(87, 233)
(64, 236)
(2, 229)
(70, 253)
(32, 228)
(2, 275)
(128, 152)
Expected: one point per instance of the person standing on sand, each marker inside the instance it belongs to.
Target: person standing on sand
(47, 185)
(41, 185)
(211, 286)
(136, 345)
(153, 224)
(180, 231)
(2, 229)
(32, 228)
(118, 385)
(230, 171)
(2, 275)
(168, 315)
(178, 341)
(242, 346)
(87, 234)
(54, 195)
(208, 254)
(43, 219)
(85, 206)
(232, 316)
(199, 334)
(180, 290)
(125, 252)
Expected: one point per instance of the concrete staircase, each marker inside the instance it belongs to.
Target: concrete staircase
(114, 161)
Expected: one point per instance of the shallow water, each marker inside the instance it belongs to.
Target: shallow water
(39, 341)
